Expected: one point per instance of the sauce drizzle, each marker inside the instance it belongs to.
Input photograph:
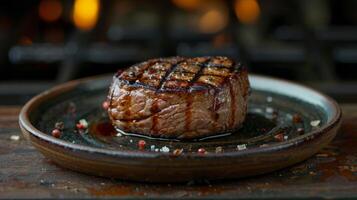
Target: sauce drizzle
(233, 105)
(216, 105)
(188, 112)
(127, 111)
(154, 110)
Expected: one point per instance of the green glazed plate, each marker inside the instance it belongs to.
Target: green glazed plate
(286, 124)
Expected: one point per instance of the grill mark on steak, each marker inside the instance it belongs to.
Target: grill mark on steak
(199, 73)
(143, 70)
(168, 73)
(161, 75)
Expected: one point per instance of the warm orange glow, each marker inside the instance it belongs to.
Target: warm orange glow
(221, 39)
(247, 11)
(212, 21)
(85, 14)
(50, 10)
(24, 40)
(187, 4)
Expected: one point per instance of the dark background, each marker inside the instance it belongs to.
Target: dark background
(47, 42)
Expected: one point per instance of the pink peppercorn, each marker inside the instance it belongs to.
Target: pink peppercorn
(201, 151)
(105, 105)
(80, 126)
(56, 133)
(279, 137)
(141, 144)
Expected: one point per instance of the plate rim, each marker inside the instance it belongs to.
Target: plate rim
(34, 102)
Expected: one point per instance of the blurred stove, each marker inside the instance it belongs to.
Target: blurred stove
(47, 42)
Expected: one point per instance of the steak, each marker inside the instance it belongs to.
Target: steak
(181, 98)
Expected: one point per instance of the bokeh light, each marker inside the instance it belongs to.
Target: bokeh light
(247, 11)
(188, 4)
(212, 21)
(50, 10)
(85, 14)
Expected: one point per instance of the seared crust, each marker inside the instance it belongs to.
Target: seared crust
(180, 74)
(179, 97)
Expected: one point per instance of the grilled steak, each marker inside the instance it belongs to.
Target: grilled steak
(179, 97)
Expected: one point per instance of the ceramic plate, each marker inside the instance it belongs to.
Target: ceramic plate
(286, 124)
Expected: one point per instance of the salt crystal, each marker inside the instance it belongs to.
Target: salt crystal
(241, 146)
(269, 99)
(59, 125)
(219, 149)
(152, 147)
(269, 109)
(285, 137)
(256, 110)
(119, 134)
(84, 123)
(165, 149)
(131, 141)
(15, 137)
(157, 150)
(315, 123)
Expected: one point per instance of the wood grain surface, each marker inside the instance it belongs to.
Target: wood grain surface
(25, 173)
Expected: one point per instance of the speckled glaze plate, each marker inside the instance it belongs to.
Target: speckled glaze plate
(286, 124)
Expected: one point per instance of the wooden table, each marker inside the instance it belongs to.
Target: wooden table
(24, 173)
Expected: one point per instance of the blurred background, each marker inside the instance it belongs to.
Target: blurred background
(47, 42)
